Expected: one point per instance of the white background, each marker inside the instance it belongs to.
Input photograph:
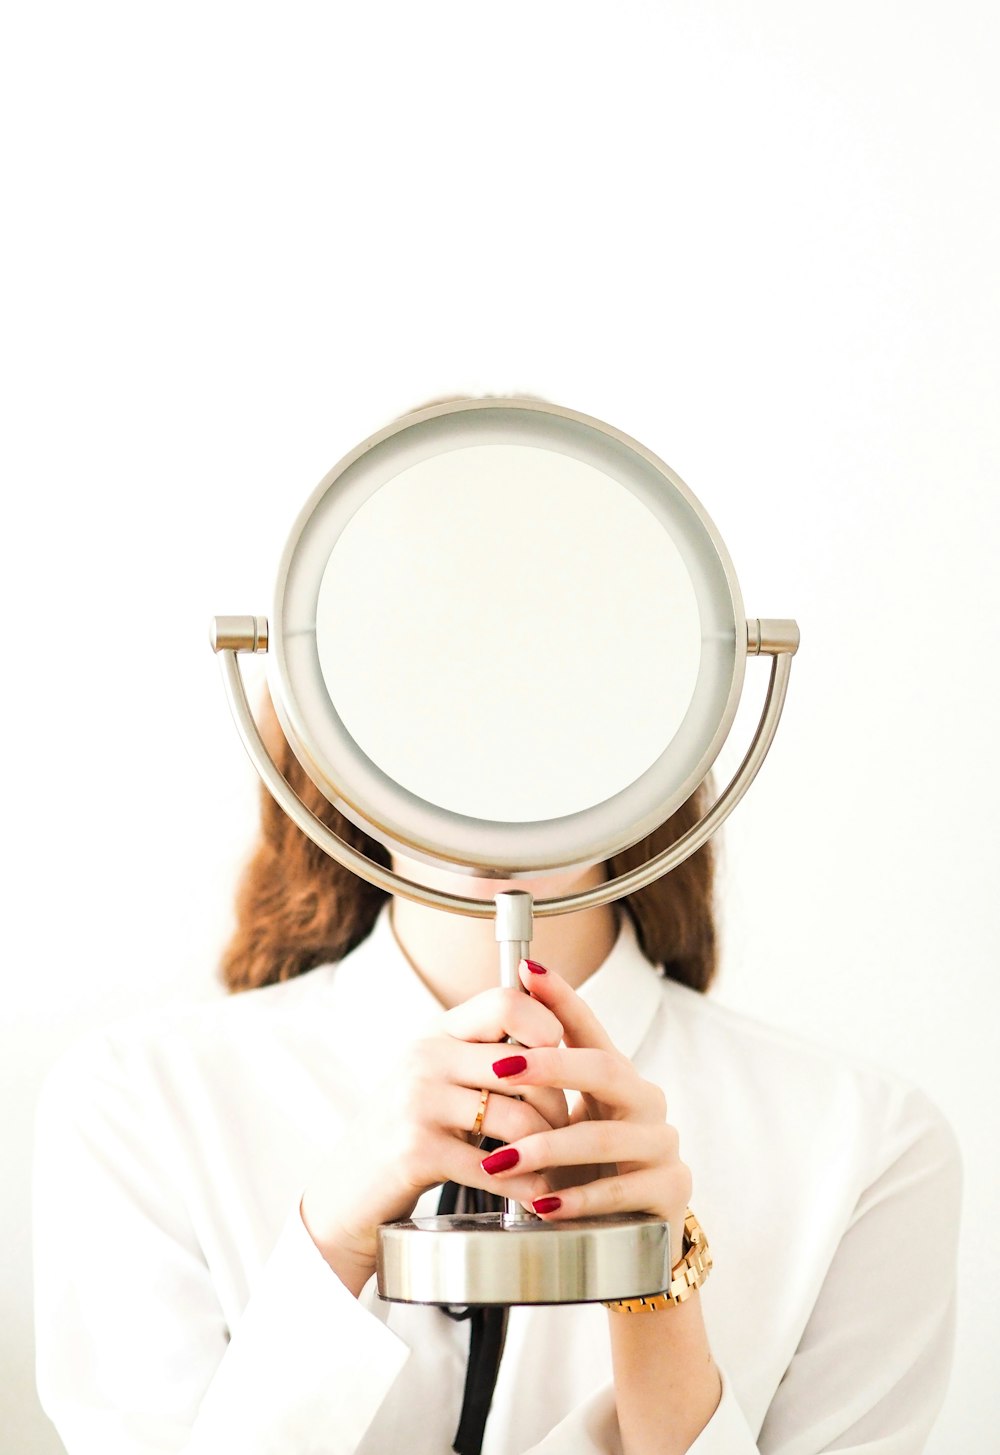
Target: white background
(760, 238)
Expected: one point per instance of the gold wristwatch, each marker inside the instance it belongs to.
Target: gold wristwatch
(685, 1276)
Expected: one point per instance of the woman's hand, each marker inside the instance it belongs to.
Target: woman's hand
(617, 1153)
(414, 1130)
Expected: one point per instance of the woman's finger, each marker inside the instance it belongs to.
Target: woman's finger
(661, 1192)
(429, 1156)
(462, 1164)
(548, 1101)
(506, 1118)
(501, 1012)
(585, 1144)
(580, 1026)
(438, 1060)
(605, 1075)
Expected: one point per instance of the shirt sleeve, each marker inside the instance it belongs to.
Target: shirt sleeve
(870, 1371)
(133, 1352)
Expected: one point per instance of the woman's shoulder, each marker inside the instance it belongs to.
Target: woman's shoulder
(794, 1077)
(152, 1044)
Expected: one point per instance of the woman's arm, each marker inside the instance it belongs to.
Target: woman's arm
(667, 1386)
(158, 1330)
(870, 1371)
(134, 1354)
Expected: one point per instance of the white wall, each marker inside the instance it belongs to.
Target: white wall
(760, 238)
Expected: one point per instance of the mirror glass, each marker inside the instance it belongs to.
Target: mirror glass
(507, 633)
(506, 638)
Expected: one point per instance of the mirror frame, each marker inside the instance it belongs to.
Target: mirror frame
(480, 847)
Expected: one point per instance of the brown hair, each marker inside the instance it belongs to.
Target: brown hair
(297, 908)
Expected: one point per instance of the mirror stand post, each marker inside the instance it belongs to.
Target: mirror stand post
(514, 933)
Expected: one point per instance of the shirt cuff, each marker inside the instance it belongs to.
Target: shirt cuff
(727, 1432)
(307, 1367)
(592, 1429)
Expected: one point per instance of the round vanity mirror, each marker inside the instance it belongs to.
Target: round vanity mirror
(506, 638)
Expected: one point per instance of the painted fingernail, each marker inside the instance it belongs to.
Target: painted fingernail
(500, 1161)
(535, 968)
(546, 1204)
(510, 1066)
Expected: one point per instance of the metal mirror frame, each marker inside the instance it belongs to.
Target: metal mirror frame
(230, 636)
(779, 638)
(400, 819)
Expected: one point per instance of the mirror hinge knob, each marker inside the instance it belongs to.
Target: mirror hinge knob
(238, 634)
(771, 637)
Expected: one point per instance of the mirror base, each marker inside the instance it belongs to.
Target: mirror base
(485, 1259)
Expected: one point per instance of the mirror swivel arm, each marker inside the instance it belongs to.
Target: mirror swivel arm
(780, 645)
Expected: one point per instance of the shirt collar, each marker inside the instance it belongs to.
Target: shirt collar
(624, 992)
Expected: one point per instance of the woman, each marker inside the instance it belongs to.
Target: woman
(209, 1184)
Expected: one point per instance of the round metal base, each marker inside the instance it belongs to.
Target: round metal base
(479, 1259)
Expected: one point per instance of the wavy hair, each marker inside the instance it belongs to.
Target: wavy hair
(297, 908)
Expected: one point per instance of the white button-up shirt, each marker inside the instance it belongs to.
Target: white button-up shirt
(182, 1305)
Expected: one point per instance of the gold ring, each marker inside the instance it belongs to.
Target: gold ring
(477, 1126)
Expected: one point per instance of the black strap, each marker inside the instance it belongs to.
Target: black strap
(488, 1329)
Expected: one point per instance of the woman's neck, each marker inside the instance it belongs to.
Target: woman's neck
(456, 956)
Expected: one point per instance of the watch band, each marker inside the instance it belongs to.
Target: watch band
(686, 1275)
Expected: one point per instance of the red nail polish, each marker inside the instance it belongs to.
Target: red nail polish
(501, 1160)
(535, 968)
(546, 1204)
(510, 1066)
